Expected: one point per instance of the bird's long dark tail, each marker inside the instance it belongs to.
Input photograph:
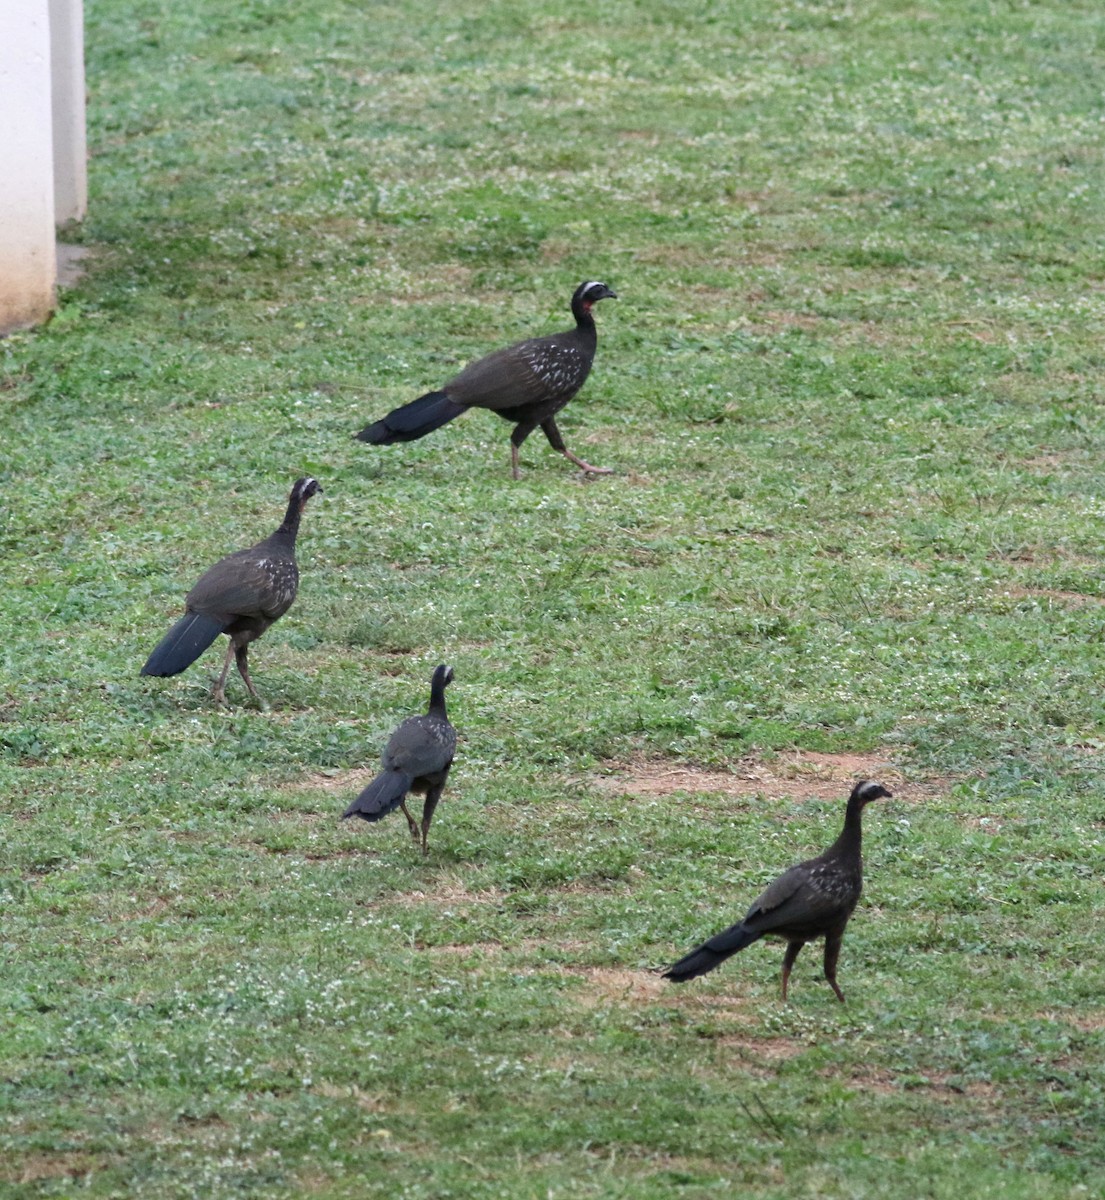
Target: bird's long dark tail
(383, 795)
(711, 953)
(183, 644)
(412, 421)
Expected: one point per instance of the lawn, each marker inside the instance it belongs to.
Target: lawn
(850, 390)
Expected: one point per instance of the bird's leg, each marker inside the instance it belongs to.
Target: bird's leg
(788, 961)
(517, 437)
(432, 797)
(557, 443)
(240, 654)
(412, 824)
(832, 953)
(218, 693)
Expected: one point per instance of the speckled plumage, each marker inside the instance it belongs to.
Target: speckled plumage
(812, 899)
(526, 383)
(241, 596)
(417, 758)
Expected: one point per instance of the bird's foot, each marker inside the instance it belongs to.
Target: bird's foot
(586, 467)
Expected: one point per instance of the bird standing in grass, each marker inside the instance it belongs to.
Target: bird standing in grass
(527, 383)
(241, 596)
(811, 900)
(417, 758)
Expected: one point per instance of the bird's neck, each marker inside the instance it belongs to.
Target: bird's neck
(437, 697)
(850, 842)
(585, 335)
(581, 310)
(289, 527)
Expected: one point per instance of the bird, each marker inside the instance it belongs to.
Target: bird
(241, 596)
(417, 758)
(813, 899)
(527, 383)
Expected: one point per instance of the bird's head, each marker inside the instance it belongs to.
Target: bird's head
(867, 790)
(589, 294)
(303, 489)
(442, 676)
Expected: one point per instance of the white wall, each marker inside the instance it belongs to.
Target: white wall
(42, 149)
(27, 261)
(67, 105)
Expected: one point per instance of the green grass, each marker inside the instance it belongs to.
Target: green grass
(852, 393)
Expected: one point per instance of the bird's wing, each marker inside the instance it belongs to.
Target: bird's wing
(793, 899)
(525, 373)
(420, 746)
(246, 585)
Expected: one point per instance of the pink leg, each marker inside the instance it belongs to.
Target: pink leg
(832, 953)
(793, 949)
(219, 691)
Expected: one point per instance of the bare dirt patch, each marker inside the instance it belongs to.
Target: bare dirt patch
(1049, 462)
(734, 1000)
(800, 774)
(1046, 556)
(466, 949)
(616, 985)
(765, 1050)
(353, 781)
(1088, 1022)
(873, 1079)
(1054, 596)
(282, 816)
(34, 1168)
(448, 892)
(885, 1082)
(366, 1101)
(613, 985)
(983, 823)
(157, 907)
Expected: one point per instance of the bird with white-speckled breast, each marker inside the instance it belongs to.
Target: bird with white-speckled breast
(527, 383)
(810, 900)
(241, 596)
(417, 758)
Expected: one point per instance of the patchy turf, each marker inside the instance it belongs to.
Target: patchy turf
(851, 390)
